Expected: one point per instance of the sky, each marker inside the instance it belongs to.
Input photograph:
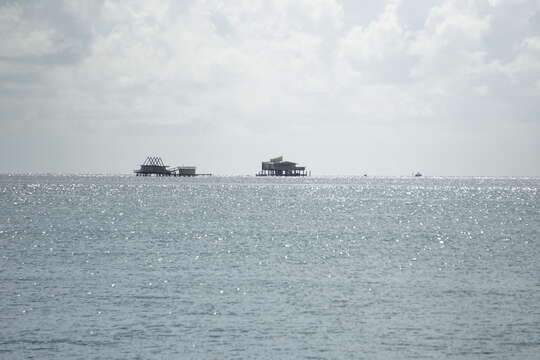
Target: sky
(449, 88)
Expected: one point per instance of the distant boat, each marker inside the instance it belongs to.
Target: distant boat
(417, 174)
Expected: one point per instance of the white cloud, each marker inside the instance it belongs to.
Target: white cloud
(452, 39)
(243, 73)
(20, 38)
(380, 50)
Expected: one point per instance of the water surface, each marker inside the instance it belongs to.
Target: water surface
(269, 268)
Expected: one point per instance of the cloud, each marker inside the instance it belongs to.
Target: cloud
(380, 50)
(244, 73)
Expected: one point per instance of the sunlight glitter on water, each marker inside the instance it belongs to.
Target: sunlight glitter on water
(269, 268)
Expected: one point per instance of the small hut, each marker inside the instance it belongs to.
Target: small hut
(185, 171)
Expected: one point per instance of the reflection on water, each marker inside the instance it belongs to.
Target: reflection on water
(319, 268)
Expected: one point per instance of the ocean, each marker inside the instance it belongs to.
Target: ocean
(125, 267)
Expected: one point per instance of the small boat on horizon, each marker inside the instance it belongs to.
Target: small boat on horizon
(418, 174)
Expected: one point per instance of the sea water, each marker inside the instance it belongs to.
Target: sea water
(269, 268)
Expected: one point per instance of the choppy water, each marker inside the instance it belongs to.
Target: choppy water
(262, 268)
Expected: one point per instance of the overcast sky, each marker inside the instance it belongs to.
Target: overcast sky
(344, 87)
